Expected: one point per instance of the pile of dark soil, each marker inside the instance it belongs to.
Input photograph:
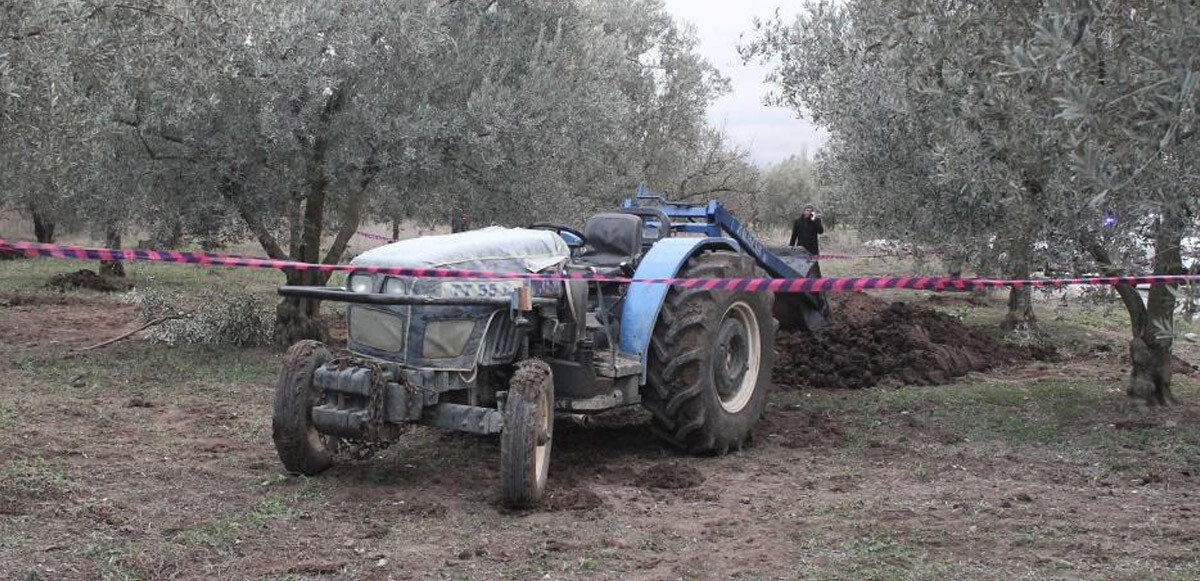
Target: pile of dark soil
(871, 342)
(87, 279)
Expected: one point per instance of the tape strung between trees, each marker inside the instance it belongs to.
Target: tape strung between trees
(784, 285)
(382, 238)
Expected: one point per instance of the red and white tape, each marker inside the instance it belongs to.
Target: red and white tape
(373, 236)
(784, 285)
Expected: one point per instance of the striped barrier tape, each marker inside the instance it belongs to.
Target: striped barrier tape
(374, 236)
(853, 256)
(388, 239)
(898, 254)
(784, 285)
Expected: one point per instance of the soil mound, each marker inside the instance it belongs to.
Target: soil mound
(574, 498)
(871, 342)
(87, 279)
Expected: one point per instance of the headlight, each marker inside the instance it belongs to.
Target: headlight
(360, 283)
(394, 286)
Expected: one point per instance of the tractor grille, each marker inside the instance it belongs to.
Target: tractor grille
(500, 344)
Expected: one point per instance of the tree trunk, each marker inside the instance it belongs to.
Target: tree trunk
(112, 268)
(395, 229)
(43, 227)
(1020, 262)
(1151, 322)
(1154, 331)
(297, 319)
(1020, 310)
(1020, 302)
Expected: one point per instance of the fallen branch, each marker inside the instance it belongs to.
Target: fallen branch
(157, 321)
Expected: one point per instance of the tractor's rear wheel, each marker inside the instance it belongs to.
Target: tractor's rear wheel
(710, 359)
(528, 429)
(300, 446)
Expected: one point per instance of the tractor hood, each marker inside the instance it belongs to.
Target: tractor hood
(495, 248)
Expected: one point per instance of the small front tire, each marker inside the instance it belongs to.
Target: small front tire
(300, 446)
(528, 429)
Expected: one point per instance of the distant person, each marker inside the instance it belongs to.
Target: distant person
(805, 230)
(460, 222)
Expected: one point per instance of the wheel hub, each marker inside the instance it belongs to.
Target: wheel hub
(736, 357)
(731, 361)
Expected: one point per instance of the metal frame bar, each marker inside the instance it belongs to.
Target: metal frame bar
(345, 296)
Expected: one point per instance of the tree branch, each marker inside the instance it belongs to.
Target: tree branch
(231, 190)
(154, 155)
(1129, 295)
(27, 35)
(353, 217)
(157, 321)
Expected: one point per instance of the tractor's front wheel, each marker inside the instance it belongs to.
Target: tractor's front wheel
(528, 428)
(300, 446)
(710, 359)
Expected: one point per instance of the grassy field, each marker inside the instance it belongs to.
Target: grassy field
(143, 460)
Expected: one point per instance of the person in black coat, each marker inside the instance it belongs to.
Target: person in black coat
(805, 230)
(460, 222)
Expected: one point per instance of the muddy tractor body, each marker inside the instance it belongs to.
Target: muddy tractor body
(505, 356)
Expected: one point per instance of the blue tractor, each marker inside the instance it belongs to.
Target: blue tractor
(506, 356)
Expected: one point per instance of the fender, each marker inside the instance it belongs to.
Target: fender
(643, 301)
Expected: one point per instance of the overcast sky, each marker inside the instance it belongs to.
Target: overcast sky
(770, 133)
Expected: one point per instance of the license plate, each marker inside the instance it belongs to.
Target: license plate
(484, 290)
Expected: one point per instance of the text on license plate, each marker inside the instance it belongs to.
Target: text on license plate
(494, 289)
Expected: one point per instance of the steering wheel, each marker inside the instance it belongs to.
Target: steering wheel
(576, 240)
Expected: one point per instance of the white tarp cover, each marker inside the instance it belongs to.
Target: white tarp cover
(493, 248)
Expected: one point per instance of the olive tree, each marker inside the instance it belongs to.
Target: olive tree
(929, 143)
(293, 121)
(303, 121)
(1011, 137)
(46, 133)
(1126, 82)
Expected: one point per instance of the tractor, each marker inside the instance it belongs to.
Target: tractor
(500, 356)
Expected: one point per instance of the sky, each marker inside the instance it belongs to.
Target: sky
(770, 134)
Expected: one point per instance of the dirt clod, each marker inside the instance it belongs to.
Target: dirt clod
(138, 401)
(571, 498)
(871, 342)
(86, 279)
(670, 476)
(1183, 367)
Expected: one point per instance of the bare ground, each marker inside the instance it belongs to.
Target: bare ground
(141, 461)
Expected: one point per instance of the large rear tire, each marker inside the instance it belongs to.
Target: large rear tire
(710, 359)
(300, 446)
(528, 430)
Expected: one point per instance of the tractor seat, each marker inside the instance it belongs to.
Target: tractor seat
(613, 239)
